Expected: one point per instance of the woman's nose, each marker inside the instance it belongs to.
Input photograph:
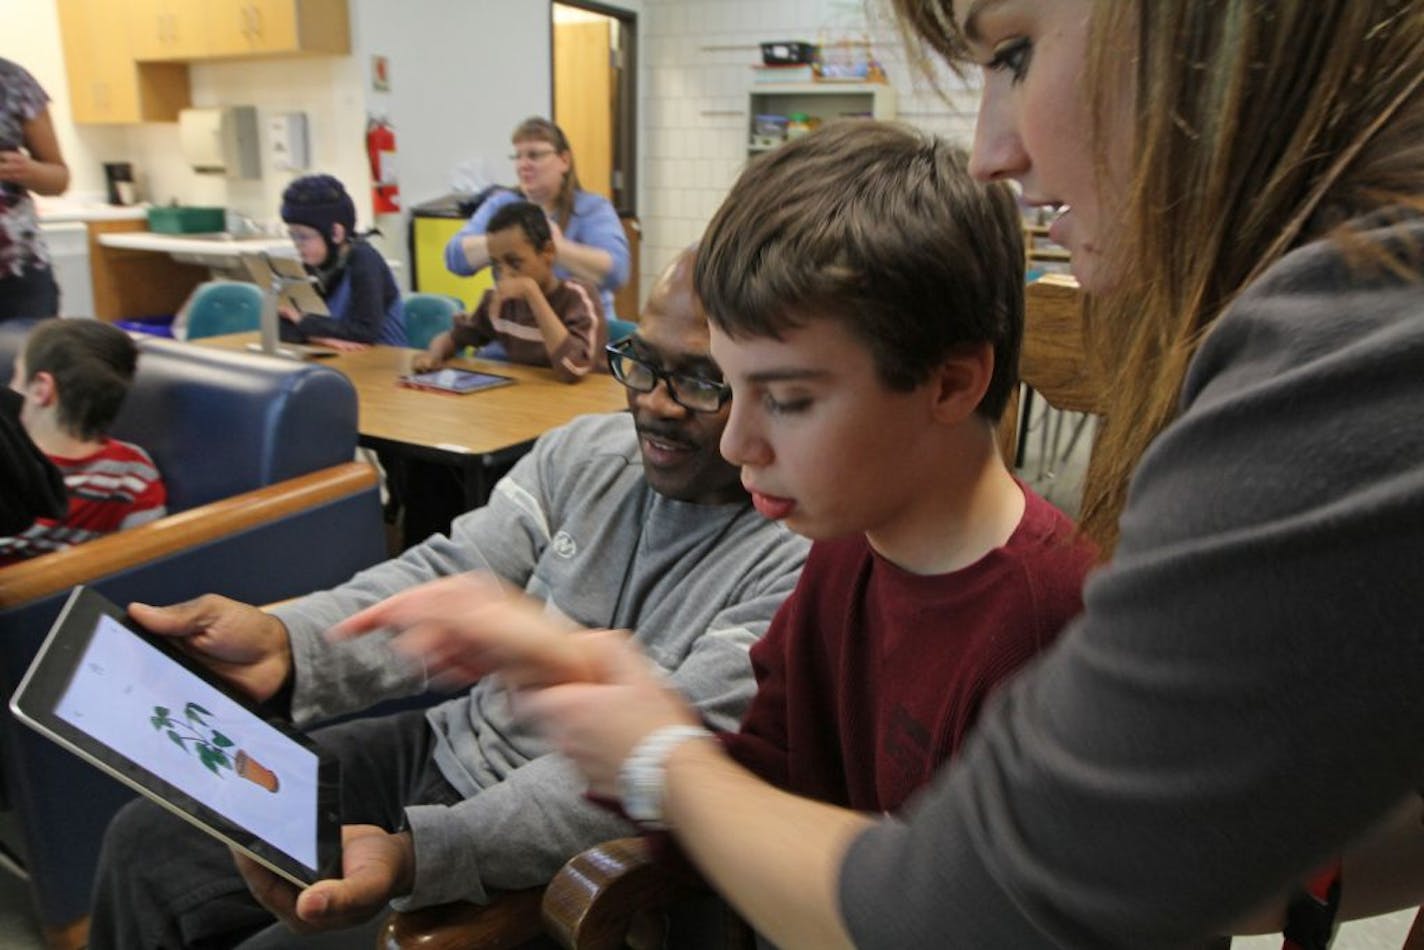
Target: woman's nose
(998, 151)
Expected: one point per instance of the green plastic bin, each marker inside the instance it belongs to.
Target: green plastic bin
(184, 219)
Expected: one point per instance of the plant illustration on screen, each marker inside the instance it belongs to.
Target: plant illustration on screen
(213, 749)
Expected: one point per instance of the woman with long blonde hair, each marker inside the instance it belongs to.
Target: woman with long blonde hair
(1241, 185)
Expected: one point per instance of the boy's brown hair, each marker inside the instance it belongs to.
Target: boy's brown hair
(880, 227)
(92, 364)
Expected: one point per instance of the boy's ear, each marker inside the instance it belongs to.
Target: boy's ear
(42, 388)
(961, 380)
(338, 232)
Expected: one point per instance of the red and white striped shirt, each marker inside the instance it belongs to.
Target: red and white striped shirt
(117, 487)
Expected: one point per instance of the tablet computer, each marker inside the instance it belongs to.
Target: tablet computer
(454, 381)
(297, 286)
(157, 721)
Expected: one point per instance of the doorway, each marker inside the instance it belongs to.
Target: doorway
(595, 95)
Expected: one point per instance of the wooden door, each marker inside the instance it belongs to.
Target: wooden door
(583, 98)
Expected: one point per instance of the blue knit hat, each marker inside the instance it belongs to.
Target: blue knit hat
(319, 201)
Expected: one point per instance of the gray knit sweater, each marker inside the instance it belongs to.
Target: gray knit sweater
(1244, 692)
(575, 523)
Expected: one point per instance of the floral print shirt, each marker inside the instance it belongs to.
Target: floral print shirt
(21, 99)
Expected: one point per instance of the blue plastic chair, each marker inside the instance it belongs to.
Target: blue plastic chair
(620, 329)
(427, 316)
(224, 307)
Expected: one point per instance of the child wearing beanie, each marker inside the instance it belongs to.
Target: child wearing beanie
(352, 277)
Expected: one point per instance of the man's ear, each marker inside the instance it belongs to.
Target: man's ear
(960, 381)
(338, 232)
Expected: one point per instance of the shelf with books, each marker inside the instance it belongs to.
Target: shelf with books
(819, 101)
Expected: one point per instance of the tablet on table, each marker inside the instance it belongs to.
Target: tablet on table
(157, 721)
(459, 381)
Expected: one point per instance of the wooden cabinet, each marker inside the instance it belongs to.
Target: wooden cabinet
(818, 100)
(128, 62)
(266, 27)
(106, 84)
(167, 29)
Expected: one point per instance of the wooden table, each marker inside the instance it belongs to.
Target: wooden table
(477, 433)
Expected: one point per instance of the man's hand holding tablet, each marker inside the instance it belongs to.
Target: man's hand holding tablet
(238, 642)
(250, 649)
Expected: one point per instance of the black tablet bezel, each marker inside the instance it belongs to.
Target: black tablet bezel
(487, 381)
(44, 686)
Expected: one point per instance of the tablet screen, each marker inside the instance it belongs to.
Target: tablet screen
(455, 380)
(139, 713)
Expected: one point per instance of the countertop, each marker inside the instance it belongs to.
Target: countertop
(64, 210)
(199, 245)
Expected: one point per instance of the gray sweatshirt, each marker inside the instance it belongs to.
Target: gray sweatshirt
(1244, 693)
(576, 524)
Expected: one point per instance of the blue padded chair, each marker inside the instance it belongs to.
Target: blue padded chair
(427, 316)
(265, 504)
(224, 307)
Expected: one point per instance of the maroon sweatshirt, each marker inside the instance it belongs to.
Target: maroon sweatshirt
(870, 677)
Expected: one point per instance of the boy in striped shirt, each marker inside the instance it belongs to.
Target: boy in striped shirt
(73, 376)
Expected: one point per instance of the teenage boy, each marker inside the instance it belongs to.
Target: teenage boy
(866, 301)
(534, 314)
(629, 519)
(73, 376)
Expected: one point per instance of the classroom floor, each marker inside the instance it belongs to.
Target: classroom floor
(1055, 474)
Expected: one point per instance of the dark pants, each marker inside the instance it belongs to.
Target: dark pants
(163, 884)
(32, 294)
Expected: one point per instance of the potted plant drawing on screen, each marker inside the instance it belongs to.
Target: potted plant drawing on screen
(213, 750)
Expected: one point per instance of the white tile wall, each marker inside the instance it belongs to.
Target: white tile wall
(695, 79)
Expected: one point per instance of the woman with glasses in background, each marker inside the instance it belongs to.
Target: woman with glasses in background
(589, 242)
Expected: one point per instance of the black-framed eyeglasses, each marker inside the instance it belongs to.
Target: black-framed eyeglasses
(696, 393)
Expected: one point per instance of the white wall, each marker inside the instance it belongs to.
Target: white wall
(696, 59)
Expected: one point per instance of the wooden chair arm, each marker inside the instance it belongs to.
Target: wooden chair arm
(46, 575)
(591, 902)
(510, 920)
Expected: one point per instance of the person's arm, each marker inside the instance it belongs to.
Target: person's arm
(365, 308)
(504, 537)
(441, 348)
(43, 170)
(575, 355)
(550, 327)
(467, 252)
(596, 249)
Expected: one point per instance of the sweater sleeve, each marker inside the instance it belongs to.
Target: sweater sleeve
(577, 355)
(365, 301)
(504, 536)
(598, 226)
(475, 330)
(519, 832)
(455, 260)
(1240, 699)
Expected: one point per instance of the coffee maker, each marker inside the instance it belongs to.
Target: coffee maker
(122, 188)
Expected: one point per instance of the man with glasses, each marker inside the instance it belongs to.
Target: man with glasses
(627, 520)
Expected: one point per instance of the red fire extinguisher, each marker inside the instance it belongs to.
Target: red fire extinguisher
(381, 149)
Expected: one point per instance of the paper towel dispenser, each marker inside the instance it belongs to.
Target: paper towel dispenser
(221, 141)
